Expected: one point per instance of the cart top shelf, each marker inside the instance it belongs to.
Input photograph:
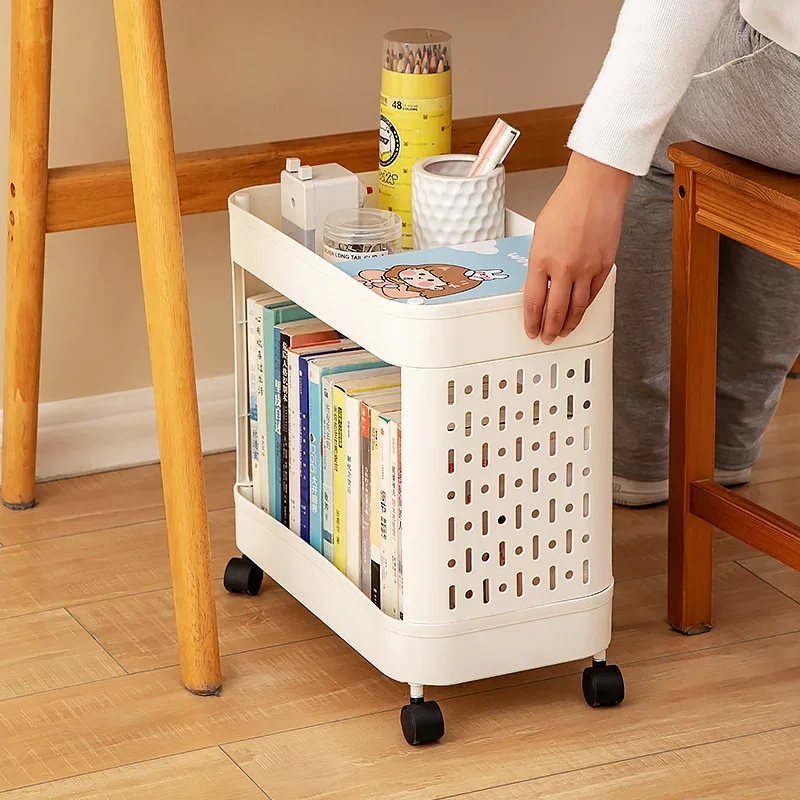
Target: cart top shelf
(401, 326)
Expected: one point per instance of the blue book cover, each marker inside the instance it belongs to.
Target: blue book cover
(446, 274)
(318, 367)
(272, 318)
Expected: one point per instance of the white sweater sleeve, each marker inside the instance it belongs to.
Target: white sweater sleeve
(653, 55)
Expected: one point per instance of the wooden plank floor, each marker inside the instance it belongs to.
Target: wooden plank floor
(91, 704)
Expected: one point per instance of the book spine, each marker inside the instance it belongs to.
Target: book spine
(374, 514)
(264, 356)
(284, 451)
(293, 368)
(252, 374)
(286, 312)
(394, 522)
(275, 476)
(385, 516)
(389, 583)
(339, 553)
(400, 521)
(364, 535)
(314, 459)
(352, 461)
(327, 470)
(305, 454)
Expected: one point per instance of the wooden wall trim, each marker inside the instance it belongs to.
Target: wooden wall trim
(94, 195)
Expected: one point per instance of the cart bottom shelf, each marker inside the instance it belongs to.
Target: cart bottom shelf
(424, 654)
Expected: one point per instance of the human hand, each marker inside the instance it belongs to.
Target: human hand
(574, 245)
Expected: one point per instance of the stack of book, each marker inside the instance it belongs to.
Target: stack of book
(325, 425)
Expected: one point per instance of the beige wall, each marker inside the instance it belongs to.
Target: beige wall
(246, 71)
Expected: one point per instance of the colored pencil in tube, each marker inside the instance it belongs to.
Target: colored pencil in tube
(425, 60)
(494, 149)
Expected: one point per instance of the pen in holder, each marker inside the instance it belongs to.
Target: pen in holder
(452, 207)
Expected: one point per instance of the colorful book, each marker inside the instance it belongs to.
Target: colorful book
(400, 519)
(293, 449)
(320, 520)
(447, 274)
(352, 486)
(366, 550)
(380, 378)
(257, 386)
(292, 335)
(339, 554)
(269, 434)
(374, 503)
(384, 513)
(396, 519)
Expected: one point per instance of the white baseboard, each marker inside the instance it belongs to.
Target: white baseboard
(114, 431)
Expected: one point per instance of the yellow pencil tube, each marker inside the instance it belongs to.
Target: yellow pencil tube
(416, 113)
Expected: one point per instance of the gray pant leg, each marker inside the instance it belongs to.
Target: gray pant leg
(746, 101)
(642, 330)
(759, 339)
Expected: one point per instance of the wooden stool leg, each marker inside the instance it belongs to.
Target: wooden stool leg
(31, 47)
(155, 190)
(693, 381)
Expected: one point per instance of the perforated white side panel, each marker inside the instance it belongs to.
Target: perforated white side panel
(506, 484)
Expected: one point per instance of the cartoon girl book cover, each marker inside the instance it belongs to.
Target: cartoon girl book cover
(446, 274)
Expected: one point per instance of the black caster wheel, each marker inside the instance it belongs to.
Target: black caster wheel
(422, 723)
(242, 576)
(603, 685)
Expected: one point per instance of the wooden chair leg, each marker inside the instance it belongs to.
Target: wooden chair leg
(31, 48)
(155, 189)
(692, 407)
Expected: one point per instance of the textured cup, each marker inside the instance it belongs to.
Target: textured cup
(449, 208)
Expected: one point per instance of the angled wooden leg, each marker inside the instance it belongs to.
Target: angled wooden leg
(695, 271)
(158, 220)
(31, 47)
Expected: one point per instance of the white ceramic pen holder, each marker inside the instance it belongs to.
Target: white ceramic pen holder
(450, 208)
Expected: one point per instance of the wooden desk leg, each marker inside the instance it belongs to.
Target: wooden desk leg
(155, 190)
(31, 47)
(695, 272)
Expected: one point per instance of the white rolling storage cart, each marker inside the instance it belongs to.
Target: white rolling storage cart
(506, 479)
